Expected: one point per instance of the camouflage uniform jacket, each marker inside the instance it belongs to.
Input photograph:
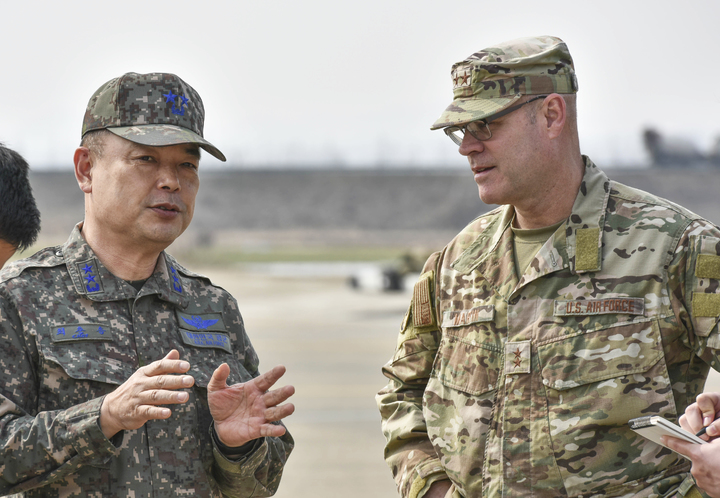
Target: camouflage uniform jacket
(70, 333)
(523, 385)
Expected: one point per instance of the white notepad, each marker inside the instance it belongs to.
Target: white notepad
(654, 427)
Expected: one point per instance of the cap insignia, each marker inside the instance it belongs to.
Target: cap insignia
(461, 77)
(170, 99)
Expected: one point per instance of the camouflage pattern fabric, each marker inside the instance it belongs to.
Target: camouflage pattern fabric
(494, 78)
(153, 109)
(522, 385)
(70, 333)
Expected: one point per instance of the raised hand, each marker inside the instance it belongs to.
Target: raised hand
(243, 412)
(702, 413)
(137, 400)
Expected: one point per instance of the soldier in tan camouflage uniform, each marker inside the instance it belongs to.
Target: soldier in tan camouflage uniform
(122, 373)
(549, 322)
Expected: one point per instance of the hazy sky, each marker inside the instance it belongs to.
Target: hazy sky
(353, 83)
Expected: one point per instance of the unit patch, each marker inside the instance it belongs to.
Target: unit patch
(81, 332)
(460, 318)
(203, 330)
(422, 314)
(607, 306)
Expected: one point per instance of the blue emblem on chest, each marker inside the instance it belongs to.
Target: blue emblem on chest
(197, 322)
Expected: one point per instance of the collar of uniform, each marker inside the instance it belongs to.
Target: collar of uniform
(483, 248)
(584, 229)
(93, 280)
(583, 226)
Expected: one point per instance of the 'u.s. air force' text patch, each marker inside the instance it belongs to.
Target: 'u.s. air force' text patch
(204, 330)
(606, 306)
(81, 332)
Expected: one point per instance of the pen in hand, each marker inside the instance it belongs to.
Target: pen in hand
(701, 432)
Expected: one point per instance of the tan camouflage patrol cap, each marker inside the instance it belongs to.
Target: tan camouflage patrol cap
(154, 109)
(494, 78)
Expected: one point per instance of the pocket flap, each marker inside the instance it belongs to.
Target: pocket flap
(600, 355)
(471, 368)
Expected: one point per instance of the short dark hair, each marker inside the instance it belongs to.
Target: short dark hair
(19, 216)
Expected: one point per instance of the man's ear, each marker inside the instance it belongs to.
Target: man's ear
(84, 162)
(555, 112)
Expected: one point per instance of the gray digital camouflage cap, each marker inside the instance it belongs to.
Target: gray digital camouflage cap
(153, 109)
(494, 78)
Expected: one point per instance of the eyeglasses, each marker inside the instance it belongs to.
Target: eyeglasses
(480, 129)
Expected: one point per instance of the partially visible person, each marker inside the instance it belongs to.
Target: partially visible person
(705, 457)
(19, 216)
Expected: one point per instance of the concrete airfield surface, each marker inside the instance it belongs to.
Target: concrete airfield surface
(333, 341)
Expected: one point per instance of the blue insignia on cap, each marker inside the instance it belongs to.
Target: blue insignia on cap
(169, 97)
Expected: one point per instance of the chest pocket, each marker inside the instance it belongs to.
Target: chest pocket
(102, 361)
(595, 382)
(467, 365)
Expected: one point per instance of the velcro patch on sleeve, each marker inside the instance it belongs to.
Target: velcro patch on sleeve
(586, 249)
(422, 312)
(707, 266)
(704, 304)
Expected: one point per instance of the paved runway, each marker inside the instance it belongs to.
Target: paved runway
(333, 340)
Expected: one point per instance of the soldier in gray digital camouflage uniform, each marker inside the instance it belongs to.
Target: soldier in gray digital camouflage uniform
(122, 373)
(549, 322)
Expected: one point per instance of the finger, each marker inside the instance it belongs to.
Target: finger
(706, 405)
(218, 381)
(269, 378)
(154, 412)
(169, 382)
(162, 397)
(713, 430)
(684, 448)
(166, 366)
(277, 396)
(277, 413)
(692, 421)
(172, 355)
(272, 430)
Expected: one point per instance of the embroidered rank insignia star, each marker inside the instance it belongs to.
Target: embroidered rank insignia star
(89, 274)
(170, 99)
(176, 281)
(518, 358)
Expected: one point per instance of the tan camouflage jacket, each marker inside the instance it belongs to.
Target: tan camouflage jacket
(71, 332)
(523, 385)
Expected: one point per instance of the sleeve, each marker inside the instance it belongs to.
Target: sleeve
(408, 450)
(694, 277)
(258, 471)
(38, 448)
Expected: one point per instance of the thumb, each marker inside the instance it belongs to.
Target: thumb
(172, 355)
(218, 381)
(684, 448)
